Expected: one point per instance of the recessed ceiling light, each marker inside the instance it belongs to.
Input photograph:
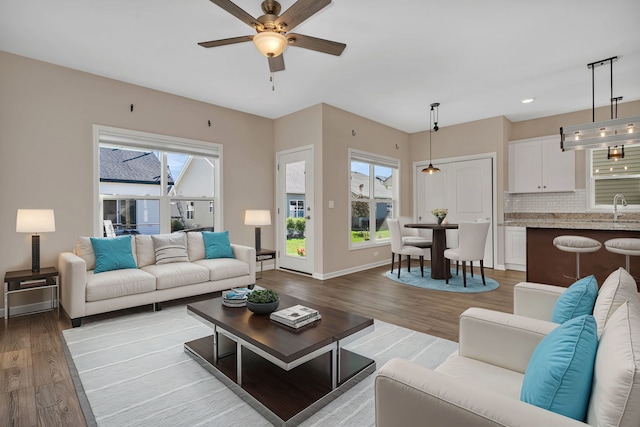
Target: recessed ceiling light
(528, 100)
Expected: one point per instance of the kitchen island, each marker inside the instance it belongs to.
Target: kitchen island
(547, 264)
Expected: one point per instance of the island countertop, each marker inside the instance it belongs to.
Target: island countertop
(574, 221)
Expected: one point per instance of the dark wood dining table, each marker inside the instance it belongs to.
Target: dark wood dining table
(439, 244)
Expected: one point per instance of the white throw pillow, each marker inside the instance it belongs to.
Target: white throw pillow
(145, 250)
(84, 249)
(619, 287)
(195, 246)
(615, 394)
(170, 248)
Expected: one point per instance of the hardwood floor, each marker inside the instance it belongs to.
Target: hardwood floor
(36, 387)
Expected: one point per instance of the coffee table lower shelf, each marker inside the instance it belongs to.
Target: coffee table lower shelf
(283, 397)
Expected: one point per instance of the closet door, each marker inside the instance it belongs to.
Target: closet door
(465, 188)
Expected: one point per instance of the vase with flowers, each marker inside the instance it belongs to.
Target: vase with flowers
(440, 214)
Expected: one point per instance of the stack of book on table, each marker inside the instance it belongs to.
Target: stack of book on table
(235, 297)
(296, 316)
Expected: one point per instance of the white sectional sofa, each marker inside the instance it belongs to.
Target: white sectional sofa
(84, 292)
(480, 384)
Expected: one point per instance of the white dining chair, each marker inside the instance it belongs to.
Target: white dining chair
(399, 248)
(472, 238)
(414, 236)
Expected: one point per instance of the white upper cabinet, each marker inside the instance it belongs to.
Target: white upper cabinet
(538, 164)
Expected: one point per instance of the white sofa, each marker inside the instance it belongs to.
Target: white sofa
(84, 293)
(480, 384)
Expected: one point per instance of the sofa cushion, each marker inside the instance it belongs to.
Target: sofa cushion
(146, 254)
(576, 301)
(615, 399)
(483, 375)
(619, 287)
(118, 283)
(113, 253)
(84, 249)
(177, 274)
(559, 373)
(217, 245)
(170, 248)
(195, 246)
(224, 268)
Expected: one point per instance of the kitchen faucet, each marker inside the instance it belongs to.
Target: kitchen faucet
(615, 205)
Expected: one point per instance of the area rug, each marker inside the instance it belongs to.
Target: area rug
(414, 278)
(134, 372)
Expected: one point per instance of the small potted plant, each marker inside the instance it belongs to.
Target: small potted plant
(440, 214)
(262, 301)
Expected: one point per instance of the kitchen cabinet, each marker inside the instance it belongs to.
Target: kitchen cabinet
(515, 248)
(539, 165)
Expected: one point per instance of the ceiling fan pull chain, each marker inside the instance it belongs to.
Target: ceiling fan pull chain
(272, 79)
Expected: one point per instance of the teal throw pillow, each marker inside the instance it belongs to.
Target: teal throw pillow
(112, 253)
(577, 300)
(217, 245)
(559, 374)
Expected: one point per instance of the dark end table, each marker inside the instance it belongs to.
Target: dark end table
(27, 280)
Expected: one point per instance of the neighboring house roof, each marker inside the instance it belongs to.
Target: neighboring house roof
(360, 186)
(128, 166)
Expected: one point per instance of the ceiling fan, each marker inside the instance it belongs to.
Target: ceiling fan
(272, 29)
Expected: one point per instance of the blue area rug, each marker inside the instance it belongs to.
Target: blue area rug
(474, 284)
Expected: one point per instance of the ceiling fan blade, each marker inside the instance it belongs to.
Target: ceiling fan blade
(299, 12)
(239, 13)
(319, 45)
(223, 42)
(276, 63)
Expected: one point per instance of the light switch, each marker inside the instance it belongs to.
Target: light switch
(331, 205)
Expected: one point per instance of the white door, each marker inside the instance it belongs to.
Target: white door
(294, 211)
(465, 188)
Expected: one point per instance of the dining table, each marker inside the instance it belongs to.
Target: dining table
(439, 268)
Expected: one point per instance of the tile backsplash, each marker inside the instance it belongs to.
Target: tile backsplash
(546, 202)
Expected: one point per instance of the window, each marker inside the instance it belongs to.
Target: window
(609, 177)
(296, 208)
(374, 196)
(139, 198)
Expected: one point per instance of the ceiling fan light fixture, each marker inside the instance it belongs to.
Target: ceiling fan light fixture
(270, 43)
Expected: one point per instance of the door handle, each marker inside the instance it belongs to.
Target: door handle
(308, 217)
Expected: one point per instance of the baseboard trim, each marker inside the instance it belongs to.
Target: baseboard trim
(351, 270)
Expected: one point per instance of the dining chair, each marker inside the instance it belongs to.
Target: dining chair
(397, 247)
(413, 236)
(472, 238)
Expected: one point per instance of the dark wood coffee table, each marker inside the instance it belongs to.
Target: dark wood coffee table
(285, 374)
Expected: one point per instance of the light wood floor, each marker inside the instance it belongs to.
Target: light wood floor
(36, 387)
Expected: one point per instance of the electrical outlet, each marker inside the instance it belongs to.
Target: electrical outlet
(551, 203)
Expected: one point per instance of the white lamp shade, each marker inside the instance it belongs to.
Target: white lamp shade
(35, 221)
(270, 43)
(257, 217)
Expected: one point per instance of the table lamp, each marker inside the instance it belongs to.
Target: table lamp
(257, 217)
(35, 221)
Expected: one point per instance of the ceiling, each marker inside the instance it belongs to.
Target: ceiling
(479, 59)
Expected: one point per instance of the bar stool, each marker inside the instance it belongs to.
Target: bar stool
(577, 245)
(625, 246)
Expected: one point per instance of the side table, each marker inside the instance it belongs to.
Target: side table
(264, 255)
(27, 280)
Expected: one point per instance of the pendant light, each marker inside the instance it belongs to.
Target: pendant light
(615, 154)
(433, 113)
(607, 133)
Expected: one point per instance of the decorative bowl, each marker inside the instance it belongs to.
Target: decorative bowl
(263, 307)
